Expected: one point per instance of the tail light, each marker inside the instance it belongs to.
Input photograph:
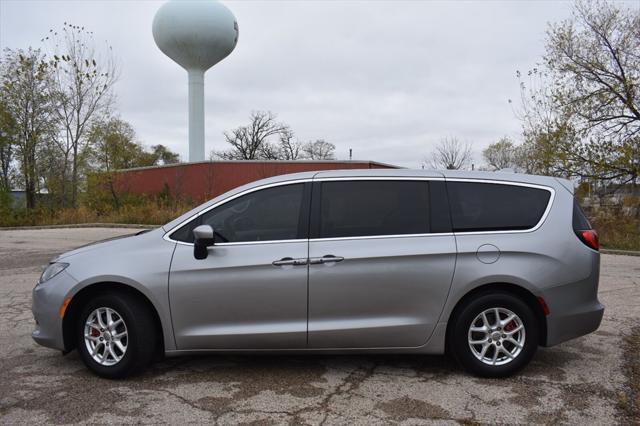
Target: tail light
(589, 238)
(583, 229)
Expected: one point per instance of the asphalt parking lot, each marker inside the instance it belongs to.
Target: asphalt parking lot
(579, 382)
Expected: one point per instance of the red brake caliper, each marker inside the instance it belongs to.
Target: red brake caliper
(510, 326)
(94, 332)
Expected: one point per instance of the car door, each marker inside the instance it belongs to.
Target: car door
(382, 257)
(251, 290)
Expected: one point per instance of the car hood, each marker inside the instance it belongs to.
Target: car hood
(107, 244)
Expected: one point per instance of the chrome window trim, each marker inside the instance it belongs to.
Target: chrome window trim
(330, 179)
(366, 237)
(244, 243)
(375, 237)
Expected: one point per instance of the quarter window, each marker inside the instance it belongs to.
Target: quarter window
(367, 208)
(580, 221)
(264, 215)
(495, 207)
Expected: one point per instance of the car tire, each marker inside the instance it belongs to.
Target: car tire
(132, 328)
(494, 348)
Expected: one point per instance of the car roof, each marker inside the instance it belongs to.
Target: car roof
(378, 173)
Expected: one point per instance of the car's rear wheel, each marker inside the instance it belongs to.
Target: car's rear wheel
(494, 335)
(116, 335)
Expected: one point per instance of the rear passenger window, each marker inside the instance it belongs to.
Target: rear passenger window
(366, 208)
(495, 207)
(580, 221)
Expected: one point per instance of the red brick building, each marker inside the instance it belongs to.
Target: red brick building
(205, 180)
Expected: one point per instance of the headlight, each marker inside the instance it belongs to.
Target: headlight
(52, 270)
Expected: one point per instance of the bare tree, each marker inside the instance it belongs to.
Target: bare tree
(451, 154)
(251, 142)
(595, 61)
(255, 142)
(269, 151)
(319, 150)
(547, 132)
(84, 80)
(290, 148)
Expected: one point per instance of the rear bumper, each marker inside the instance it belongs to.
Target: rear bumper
(563, 327)
(574, 310)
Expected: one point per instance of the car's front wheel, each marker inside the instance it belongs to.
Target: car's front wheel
(116, 335)
(494, 335)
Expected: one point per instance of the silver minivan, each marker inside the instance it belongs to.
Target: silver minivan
(484, 266)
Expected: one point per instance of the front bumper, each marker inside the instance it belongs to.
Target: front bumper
(47, 299)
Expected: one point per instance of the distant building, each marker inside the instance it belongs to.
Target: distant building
(19, 197)
(201, 181)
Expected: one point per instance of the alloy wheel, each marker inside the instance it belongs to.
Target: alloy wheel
(106, 336)
(496, 336)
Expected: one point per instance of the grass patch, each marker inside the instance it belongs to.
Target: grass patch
(618, 232)
(149, 213)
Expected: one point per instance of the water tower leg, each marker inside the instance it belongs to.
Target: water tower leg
(196, 115)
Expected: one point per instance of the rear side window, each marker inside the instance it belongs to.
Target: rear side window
(580, 221)
(367, 208)
(495, 207)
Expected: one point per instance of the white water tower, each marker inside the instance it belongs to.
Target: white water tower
(197, 34)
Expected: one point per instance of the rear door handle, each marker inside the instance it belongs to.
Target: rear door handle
(329, 258)
(289, 261)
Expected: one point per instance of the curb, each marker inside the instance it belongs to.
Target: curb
(620, 252)
(79, 225)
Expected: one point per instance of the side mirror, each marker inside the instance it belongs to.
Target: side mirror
(203, 238)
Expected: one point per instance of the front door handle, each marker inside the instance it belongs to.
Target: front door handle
(329, 258)
(289, 261)
(284, 261)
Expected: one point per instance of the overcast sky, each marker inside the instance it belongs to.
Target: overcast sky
(388, 79)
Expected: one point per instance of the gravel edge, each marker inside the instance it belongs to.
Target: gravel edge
(629, 400)
(80, 225)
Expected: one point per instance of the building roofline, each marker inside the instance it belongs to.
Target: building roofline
(162, 166)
